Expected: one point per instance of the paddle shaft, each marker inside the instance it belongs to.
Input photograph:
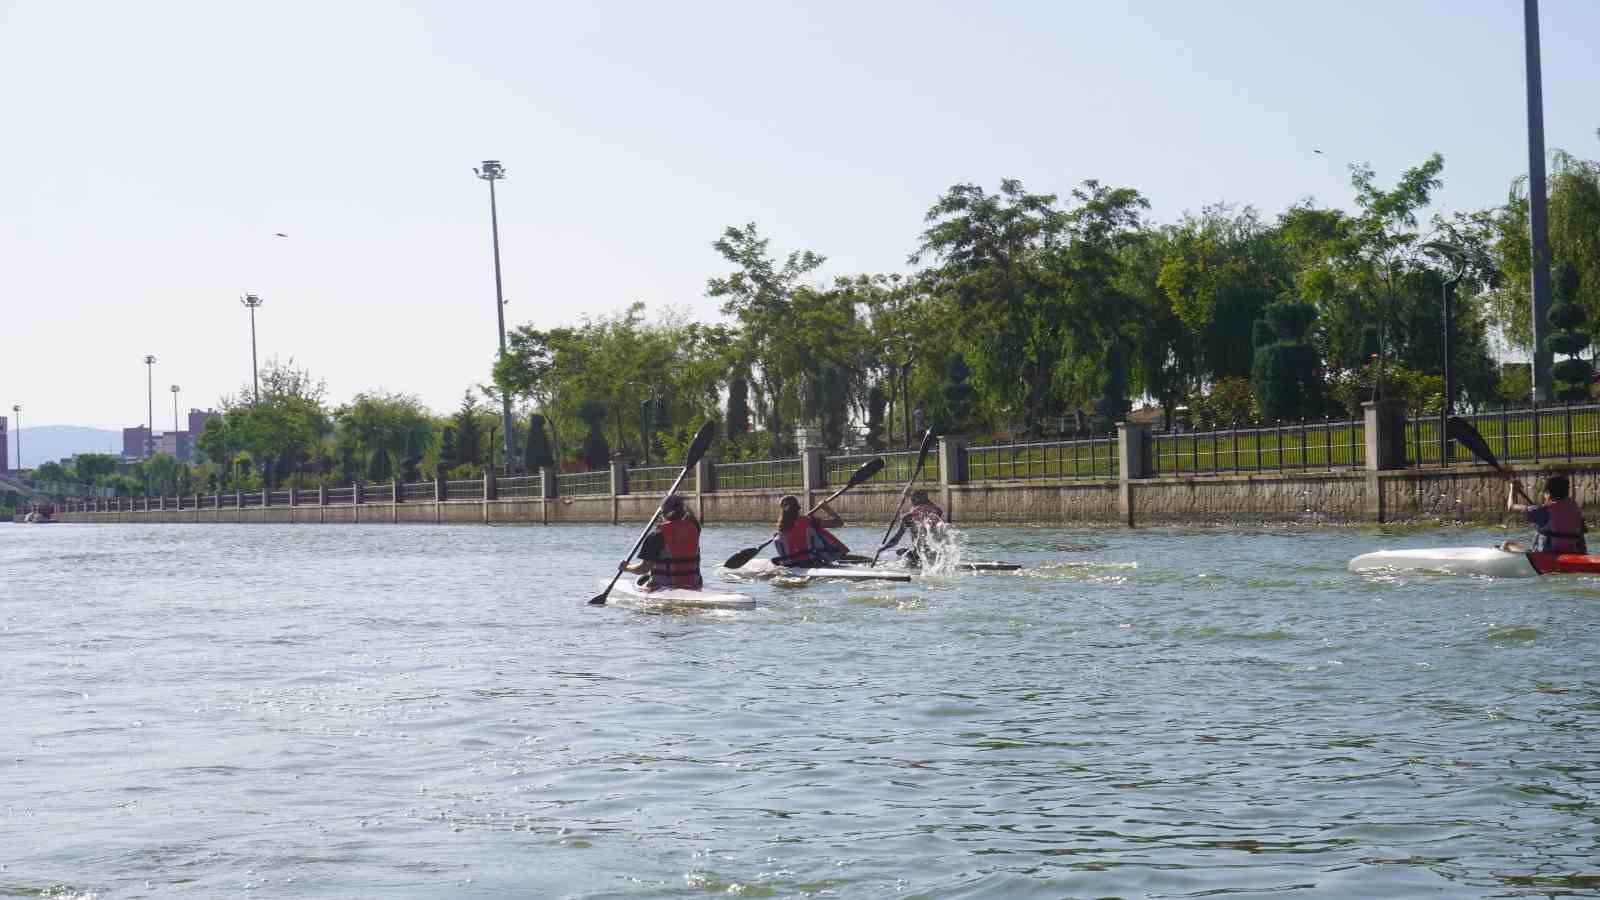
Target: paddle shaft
(1468, 437)
(922, 457)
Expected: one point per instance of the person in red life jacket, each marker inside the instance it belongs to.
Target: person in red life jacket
(671, 554)
(804, 541)
(926, 524)
(1558, 519)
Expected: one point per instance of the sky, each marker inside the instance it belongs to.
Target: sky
(153, 150)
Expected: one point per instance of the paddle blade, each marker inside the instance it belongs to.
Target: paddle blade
(868, 469)
(702, 443)
(1462, 431)
(922, 452)
(743, 556)
(600, 598)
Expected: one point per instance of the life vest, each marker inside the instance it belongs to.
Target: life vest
(924, 515)
(1564, 531)
(678, 566)
(805, 543)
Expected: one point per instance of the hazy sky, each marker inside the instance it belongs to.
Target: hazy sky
(152, 149)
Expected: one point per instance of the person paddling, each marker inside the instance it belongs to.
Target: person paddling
(1558, 519)
(926, 523)
(803, 541)
(671, 554)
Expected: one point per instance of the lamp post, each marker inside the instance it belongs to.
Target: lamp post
(177, 449)
(491, 172)
(1538, 216)
(1458, 259)
(253, 302)
(17, 409)
(150, 409)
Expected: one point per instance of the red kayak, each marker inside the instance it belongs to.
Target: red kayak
(1570, 563)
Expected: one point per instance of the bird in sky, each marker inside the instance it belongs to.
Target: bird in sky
(281, 234)
(1313, 151)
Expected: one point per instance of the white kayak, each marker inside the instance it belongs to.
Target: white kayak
(764, 568)
(629, 594)
(1453, 560)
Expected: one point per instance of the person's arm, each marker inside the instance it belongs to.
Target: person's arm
(898, 533)
(832, 521)
(649, 553)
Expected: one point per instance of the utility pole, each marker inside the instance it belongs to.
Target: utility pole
(253, 302)
(491, 172)
(177, 449)
(150, 409)
(17, 409)
(1538, 218)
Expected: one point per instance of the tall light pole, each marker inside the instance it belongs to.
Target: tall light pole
(17, 409)
(1538, 218)
(253, 302)
(177, 448)
(491, 172)
(150, 410)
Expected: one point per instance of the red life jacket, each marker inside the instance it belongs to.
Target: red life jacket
(1563, 533)
(678, 566)
(925, 514)
(805, 543)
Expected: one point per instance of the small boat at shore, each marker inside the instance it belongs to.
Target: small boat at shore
(1498, 562)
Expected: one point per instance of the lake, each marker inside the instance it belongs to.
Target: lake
(347, 711)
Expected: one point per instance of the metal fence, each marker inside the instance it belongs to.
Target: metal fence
(756, 474)
(583, 484)
(1560, 432)
(416, 490)
(463, 489)
(310, 496)
(517, 487)
(249, 499)
(897, 466)
(340, 495)
(382, 492)
(656, 480)
(1091, 457)
(1282, 446)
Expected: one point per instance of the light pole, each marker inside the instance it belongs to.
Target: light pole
(1538, 219)
(176, 448)
(491, 172)
(253, 302)
(1454, 255)
(150, 410)
(17, 409)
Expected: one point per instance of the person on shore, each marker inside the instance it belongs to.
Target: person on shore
(926, 524)
(671, 554)
(1558, 519)
(804, 541)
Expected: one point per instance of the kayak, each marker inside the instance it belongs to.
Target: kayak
(1491, 561)
(764, 568)
(632, 596)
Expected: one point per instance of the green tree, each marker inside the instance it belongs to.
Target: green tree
(537, 454)
(91, 467)
(738, 407)
(596, 451)
(1571, 337)
(958, 394)
(377, 423)
(1287, 377)
(469, 434)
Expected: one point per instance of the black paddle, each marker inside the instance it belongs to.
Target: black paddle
(702, 441)
(868, 469)
(922, 457)
(1462, 431)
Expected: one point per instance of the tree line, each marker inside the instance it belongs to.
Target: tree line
(1041, 314)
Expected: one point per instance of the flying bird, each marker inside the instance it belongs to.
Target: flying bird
(281, 234)
(1314, 151)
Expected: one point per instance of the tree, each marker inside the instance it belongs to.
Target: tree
(469, 434)
(52, 471)
(449, 457)
(375, 423)
(379, 466)
(738, 407)
(537, 454)
(876, 400)
(91, 467)
(1574, 229)
(958, 394)
(1569, 317)
(1287, 377)
(596, 451)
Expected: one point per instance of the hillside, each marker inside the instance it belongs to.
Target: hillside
(56, 442)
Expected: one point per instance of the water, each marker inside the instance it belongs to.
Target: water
(291, 711)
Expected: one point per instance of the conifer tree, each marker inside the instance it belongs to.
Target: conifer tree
(1567, 315)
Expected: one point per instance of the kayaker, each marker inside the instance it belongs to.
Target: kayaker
(1558, 519)
(926, 524)
(671, 554)
(803, 541)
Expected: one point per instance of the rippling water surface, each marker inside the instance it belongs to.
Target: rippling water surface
(434, 712)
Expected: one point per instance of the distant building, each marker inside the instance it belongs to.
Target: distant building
(198, 419)
(134, 442)
(176, 444)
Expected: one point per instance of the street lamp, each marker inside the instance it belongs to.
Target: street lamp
(1458, 259)
(150, 409)
(253, 302)
(1538, 210)
(17, 409)
(491, 172)
(176, 449)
